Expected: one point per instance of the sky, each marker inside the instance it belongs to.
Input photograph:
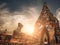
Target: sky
(24, 11)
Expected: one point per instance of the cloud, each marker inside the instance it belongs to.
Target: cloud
(16, 5)
(27, 17)
(58, 14)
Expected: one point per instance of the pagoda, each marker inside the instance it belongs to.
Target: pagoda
(47, 20)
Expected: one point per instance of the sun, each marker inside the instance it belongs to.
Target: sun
(29, 30)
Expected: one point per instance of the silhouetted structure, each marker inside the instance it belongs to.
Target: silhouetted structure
(5, 38)
(47, 20)
(16, 33)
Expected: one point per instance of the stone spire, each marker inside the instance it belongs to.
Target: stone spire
(48, 20)
(47, 17)
(45, 8)
(45, 11)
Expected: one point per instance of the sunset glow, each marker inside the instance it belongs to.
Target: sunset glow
(30, 29)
